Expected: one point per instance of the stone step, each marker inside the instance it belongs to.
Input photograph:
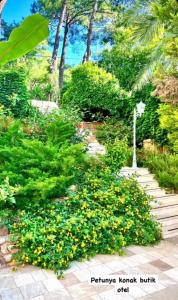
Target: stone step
(131, 171)
(165, 201)
(145, 178)
(164, 206)
(169, 234)
(165, 212)
(149, 185)
(156, 192)
(169, 222)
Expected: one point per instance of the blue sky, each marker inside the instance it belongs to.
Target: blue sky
(15, 10)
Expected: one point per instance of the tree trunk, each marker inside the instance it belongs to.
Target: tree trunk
(2, 4)
(53, 66)
(63, 55)
(86, 57)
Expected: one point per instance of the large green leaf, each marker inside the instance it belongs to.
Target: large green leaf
(32, 31)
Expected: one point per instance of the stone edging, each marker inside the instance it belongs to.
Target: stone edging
(6, 248)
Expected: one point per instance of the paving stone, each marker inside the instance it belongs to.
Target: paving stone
(93, 262)
(53, 284)
(7, 282)
(39, 275)
(133, 271)
(112, 295)
(49, 274)
(128, 252)
(11, 294)
(136, 249)
(172, 261)
(103, 288)
(122, 272)
(101, 270)
(33, 290)
(173, 240)
(69, 280)
(95, 297)
(6, 272)
(26, 269)
(149, 269)
(116, 265)
(170, 293)
(103, 258)
(161, 265)
(83, 275)
(152, 288)
(136, 291)
(24, 279)
(173, 273)
(165, 280)
(81, 290)
(80, 265)
(58, 295)
(38, 298)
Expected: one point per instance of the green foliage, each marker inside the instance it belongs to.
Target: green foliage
(13, 93)
(117, 155)
(112, 130)
(165, 168)
(93, 89)
(32, 31)
(40, 83)
(7, 193)
(125, 64)
(43, 169)
(102, 217)
(155, 23)
(169, 121)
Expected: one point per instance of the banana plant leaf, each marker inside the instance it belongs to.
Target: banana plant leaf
(32, 31)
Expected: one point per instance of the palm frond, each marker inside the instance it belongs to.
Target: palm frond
(147, 28)
(157, 58)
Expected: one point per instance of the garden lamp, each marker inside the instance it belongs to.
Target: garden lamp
(138, 111)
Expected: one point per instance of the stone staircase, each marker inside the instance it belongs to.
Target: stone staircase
(164, 206)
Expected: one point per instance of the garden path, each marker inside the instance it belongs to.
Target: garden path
(164, 205)
(35, 284)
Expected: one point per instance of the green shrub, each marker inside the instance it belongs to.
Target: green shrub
(165, 168)
(126, 62)
(43, 169)
(7, 193)
(103, 216)
(117, 155)
(13, 93)
(112, 130)
(93, 91)
(169, 120)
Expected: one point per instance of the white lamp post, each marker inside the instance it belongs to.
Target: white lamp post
(138, 111)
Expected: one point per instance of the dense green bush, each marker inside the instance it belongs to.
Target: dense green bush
(169, 120)
(116, 156)
(125, 63)
(165, 168)
(93, 91)
(7, 193)
(13, 93)
(112, 130)
(103, 216)
(43, 169)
